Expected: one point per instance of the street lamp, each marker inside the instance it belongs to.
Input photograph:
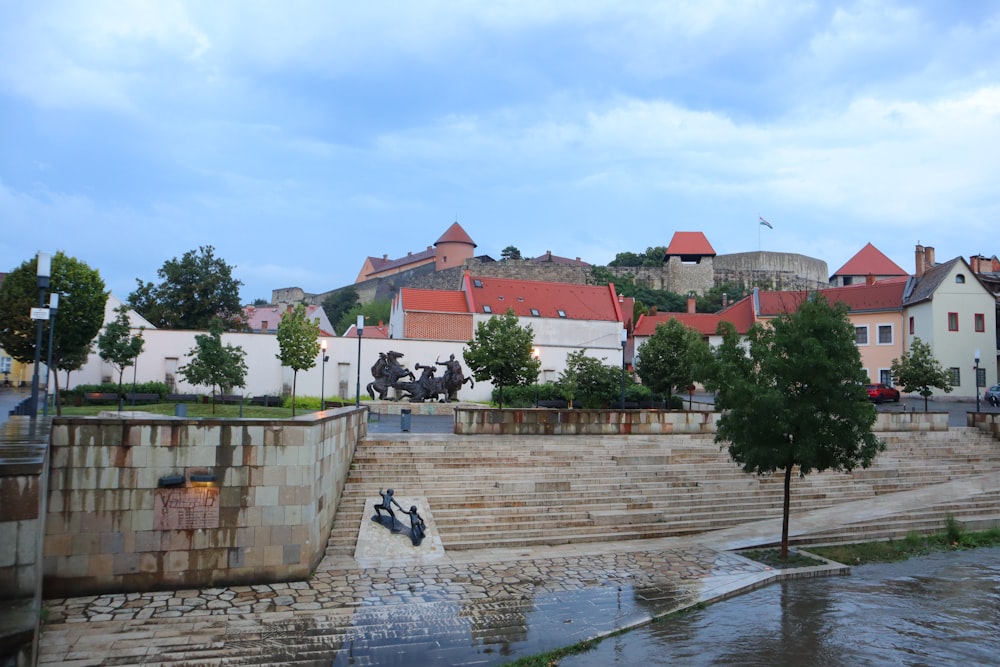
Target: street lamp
(53, 307)
(624, 340)
(977, 380)
(322, 377)
(44, 270)
(536, 355)
(361, 328)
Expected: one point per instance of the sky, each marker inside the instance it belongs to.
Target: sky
(298, 137)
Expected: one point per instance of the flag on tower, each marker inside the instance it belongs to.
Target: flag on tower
(765, 222)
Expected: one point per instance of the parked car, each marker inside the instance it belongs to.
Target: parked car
(881, 393)
(992, 395)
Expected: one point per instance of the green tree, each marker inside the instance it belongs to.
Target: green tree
(118, 346)
(298, 343)
(653, 256)
(338, 303)
(793, 396)
(214, 364)
(374, 312)
(918, 371)
(501, 353)
(590, 382)
(79, 316)
(510, 252)
(193, 290)
(711, 301)
(671, 359)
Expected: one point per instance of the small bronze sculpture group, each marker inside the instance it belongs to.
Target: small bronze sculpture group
(389, 373)
(418, 528)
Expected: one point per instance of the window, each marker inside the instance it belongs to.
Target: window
(561, 313)
(861, 335)
(980, 377)
(960, 279)
(980, 322)
(534, 312)
(885, 334)
(263, 325)
(956, 375)
(885, 376)
(952, 321)
(476, 282)
(487, 309)
(911, 326)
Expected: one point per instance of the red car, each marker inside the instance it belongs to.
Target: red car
(880, 393)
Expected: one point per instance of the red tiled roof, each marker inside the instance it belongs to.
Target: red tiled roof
(380, 264)
(556, 259)
(577, 302)
(704, 323)
(879, 296)
(740, 314)
(870, 261)
(455, 234)
(370, 331)
(690, 243)
(433, 300)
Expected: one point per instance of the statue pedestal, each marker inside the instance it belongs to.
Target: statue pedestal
(377, 545)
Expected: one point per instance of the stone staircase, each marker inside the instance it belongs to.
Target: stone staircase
(511, 492)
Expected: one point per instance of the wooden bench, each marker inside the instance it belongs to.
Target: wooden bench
(182, 398)
(267, 401)
(229, 399)
(335, 404)
(100, 397)
(142, 398)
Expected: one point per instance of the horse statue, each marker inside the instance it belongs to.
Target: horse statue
(453, 378)
(427, 387)
(387, 372)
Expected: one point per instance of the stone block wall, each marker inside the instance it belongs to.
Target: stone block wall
(144, 504)
(20, 531)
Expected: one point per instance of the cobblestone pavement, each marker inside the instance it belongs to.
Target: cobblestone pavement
(471, 608)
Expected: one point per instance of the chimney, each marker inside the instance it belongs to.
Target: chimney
(870, 279)
(725, 299)
(929, 257)
(692, 305)
(974, 263)
(918, 256)
(385, 256)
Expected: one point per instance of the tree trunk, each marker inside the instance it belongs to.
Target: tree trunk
(785, 510)
(295, 377)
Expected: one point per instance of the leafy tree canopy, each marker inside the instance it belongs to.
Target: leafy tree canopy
(918, 371)
(652, 257)
(510, 252)
(374, 312)
(117, 345)
(711, 301)
(213, 364)
(79, 316)
(501, 352)
(193, 290)
(671, 359)
(589, 382)
(298, 343)
(339, 303)
(792, 395)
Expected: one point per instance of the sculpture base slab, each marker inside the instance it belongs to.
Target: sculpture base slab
(377, 545)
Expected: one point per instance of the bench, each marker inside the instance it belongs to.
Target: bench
(229, 399)
(100, 397)
(335, 404)
(182, 398)
(142, 398)
(266, 401)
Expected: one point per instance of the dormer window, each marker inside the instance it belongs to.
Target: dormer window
(487, 309)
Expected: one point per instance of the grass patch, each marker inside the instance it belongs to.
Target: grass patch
(953, 538)
(194, 410)
(772, 558)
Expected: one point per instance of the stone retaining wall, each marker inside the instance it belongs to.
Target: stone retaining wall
(148, 503)
(534, 421)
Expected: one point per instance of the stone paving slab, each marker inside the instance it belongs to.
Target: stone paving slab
(472, 608)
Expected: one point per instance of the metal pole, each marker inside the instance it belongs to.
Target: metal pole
(977, 381)
(43, 266)
(623, 375)
(322, 377)
(53, 306)
(360, 327)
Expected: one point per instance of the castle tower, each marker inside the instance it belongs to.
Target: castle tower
(453, 248)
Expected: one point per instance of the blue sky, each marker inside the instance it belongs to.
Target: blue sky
(299, 137)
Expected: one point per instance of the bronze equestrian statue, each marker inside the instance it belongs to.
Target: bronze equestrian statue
(387, 372)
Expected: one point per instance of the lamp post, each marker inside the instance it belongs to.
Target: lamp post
(624, 340)
(322, 377)
(536, 355)
(977, 380)
(361, 328)
(44, 270)
(53, 307)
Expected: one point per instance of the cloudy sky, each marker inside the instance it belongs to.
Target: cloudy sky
(299, 137)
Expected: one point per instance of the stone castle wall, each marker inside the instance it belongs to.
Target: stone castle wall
(251, 501)
(772, 270)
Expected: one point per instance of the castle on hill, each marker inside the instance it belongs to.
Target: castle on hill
(690, 265)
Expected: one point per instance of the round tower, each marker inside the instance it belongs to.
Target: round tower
(453, 248)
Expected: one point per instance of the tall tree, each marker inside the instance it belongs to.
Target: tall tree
(374, 312)
(501, 353)
(510, 252)
(214, 364)
(918, 371)
(298, 343)
(193, 290)
(118, 346)
(79, 319)
(338, 303)
(671, 358)
(793, 396)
